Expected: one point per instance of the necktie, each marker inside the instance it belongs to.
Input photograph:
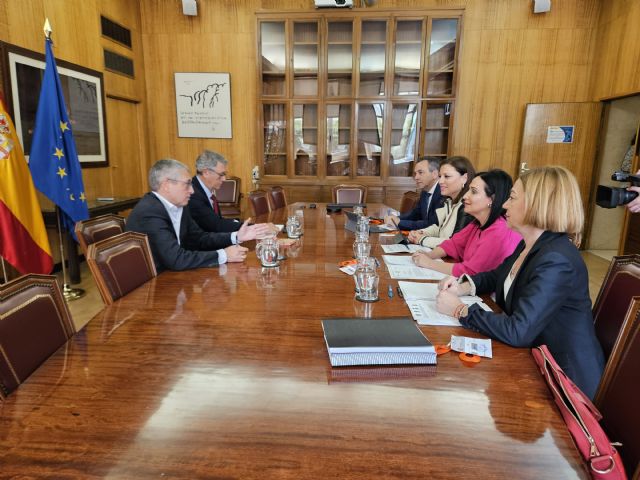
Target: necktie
(216, 207)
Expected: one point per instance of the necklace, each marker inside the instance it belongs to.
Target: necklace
(518, 263)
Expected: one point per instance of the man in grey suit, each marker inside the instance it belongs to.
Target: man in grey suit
(177, 242)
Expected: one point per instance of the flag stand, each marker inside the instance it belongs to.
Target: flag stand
(4, 272)
(70, 294)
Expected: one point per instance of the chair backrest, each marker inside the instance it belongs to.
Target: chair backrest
(259, 202)
(349, 193)
(278, 197)
(34, 323)
(409, 201)
(229, 191)
(617, 396)
(120, 264)
(98, 228)
(621, 282)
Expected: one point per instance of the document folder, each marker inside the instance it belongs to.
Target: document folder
(388, 341)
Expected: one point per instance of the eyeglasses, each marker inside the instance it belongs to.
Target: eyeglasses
(220, 175)
(186, 183)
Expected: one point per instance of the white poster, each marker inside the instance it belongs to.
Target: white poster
(203, 105)
(560, 134)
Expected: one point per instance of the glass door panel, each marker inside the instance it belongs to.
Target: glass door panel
(305, 139)
(338, 140)
(370, 128)
(273, 53)
(442, 53)
(372, 58)
(406, 78)
(305, 58)
(275, 139)
(339, 58)
(436, 131)
(404, 122)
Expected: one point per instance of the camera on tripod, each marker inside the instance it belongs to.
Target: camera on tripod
(611, 197)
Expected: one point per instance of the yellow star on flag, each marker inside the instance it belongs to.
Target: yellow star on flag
(61, 172)
(59, 153)
(82, 197)
(63, 126)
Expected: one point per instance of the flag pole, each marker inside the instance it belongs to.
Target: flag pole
(70, 294)
(5, 278)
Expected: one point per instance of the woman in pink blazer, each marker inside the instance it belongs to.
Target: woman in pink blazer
(484, 243)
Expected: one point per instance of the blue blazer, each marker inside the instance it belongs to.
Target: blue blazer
(421, 217)
(197, 248)
(548, 303)
(203, 214)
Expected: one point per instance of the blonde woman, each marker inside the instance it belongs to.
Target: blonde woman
(456, 173)
(543, 288)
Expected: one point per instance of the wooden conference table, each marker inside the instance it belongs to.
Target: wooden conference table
(223, 373)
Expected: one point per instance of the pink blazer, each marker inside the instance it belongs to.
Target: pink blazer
(476, 250)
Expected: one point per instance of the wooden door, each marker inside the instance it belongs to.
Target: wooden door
(578, 155)
(127, 166)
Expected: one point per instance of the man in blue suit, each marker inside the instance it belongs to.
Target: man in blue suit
(426, 175)
(211, 170)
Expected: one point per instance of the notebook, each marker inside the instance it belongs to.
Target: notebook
(387, 341)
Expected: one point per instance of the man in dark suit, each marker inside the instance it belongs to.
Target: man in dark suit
(426, 175)
(177, 242)
(211, 170)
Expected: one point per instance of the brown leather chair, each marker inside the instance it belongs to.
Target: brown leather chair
(98, 228)
(278, 197)
(617, 396)
(34, 323)
(120, 264)
(621, 282)
(229, 196)
(349, 193)
(259, 201)
(409, 201)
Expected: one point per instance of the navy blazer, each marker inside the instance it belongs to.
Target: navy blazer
(547, 304)
(420, 216)
(203, 214)
(197, 248)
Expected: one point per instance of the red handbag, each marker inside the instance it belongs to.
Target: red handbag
(582, 419)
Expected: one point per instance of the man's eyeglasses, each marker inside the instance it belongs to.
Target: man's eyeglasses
(220, 175)
(186, 183)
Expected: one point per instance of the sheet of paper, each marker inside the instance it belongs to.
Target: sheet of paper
(429, 291)
(398, 260)
(411, 272)
(397, 248)
(424, 312)
(473, 346)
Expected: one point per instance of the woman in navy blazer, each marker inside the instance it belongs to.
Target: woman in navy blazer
(543, 288)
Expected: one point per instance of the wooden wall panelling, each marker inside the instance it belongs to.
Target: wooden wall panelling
(616, 68)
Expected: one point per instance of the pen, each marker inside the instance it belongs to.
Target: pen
(390, 292)
(400, 292)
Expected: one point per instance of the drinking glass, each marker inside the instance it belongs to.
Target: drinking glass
(361, 248)
(293, 227)
(367, 280)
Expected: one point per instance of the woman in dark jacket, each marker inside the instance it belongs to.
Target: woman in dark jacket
(543, 288)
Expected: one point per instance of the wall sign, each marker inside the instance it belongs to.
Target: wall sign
(203, 105)
(558, 134)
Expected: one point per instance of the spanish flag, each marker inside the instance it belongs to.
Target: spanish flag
(23, 238)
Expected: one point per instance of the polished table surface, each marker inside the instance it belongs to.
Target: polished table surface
(224, 373)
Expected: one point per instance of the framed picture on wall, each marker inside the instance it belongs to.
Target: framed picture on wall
(83, 90)
(203, 105)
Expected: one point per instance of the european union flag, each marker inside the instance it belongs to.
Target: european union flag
(53, 159)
